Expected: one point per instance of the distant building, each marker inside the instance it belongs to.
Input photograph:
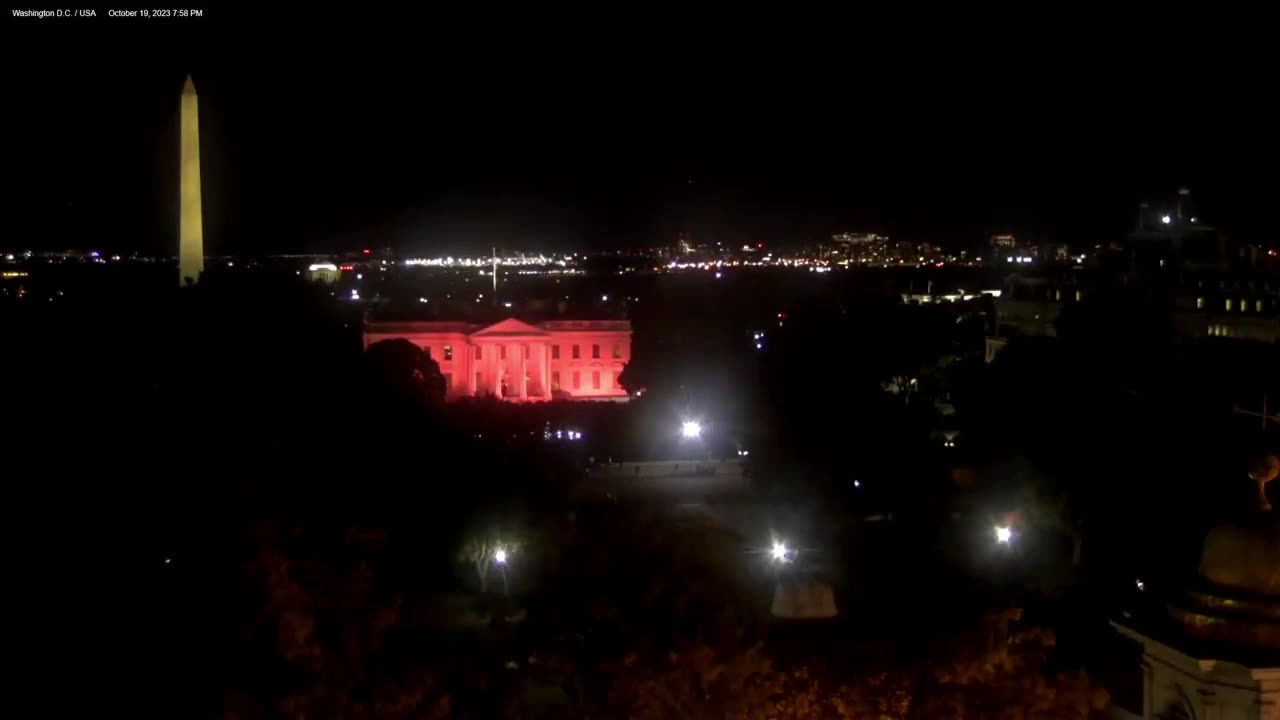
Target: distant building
(521, 362)
(903, 250)
(1175, 259)
(859, 239)
(993, 347)
(1172, 233)
(324, 272)
(861, 247)
(1240, 309)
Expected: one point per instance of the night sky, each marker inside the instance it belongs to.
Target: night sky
(432, 134)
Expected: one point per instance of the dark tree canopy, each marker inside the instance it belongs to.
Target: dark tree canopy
(399, 370)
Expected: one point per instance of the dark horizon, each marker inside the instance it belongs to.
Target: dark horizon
(459, 150)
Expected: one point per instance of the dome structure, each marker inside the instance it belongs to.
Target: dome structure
(1244, 556)
(1215, 653)
(1235, 598)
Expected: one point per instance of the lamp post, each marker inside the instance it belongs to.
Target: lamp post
(500, 558)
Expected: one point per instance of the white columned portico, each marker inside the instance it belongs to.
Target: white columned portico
(526, 373)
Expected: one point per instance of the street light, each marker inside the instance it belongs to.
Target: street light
(691, 429)
(780, 552)
(1004, 534)
(500, 557)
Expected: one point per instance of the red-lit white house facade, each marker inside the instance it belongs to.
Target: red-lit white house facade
(521, 362)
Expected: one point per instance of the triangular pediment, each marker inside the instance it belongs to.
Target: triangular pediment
(509, 328)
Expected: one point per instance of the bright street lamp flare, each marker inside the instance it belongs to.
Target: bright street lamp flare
(779, 552)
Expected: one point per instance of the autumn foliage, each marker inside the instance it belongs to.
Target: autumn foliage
(333, 639)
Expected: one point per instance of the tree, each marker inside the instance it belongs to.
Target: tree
(479, 552)
(901, 385)
(399, 370)
(994, 669)
(1054, 511)
(997, 670)
(319, 641)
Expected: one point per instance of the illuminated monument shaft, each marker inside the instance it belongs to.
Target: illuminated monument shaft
(190, 220)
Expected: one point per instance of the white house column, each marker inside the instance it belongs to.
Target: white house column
(524, 365)
(498, 365)
(546, 371)
(471, 366)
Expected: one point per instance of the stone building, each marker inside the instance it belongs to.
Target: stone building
(521, 362)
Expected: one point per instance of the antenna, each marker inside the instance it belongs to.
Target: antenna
(1264, 415)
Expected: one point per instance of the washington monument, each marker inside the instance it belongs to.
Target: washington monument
(190, 220)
